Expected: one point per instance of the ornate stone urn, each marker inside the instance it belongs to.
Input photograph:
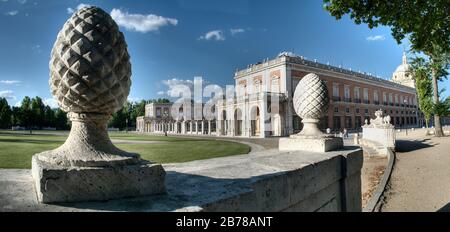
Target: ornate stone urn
(90, 75)
(310, 102)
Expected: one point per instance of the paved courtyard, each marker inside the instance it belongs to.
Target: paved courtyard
(421, 177)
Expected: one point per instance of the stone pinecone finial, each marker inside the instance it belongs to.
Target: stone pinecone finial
(311, 97)
(90, 67)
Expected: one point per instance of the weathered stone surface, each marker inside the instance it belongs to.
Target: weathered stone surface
(59, 184)
(262, 181)
(310, 144)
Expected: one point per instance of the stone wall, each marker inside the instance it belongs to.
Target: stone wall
(260, 181)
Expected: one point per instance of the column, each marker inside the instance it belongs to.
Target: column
(203, 127)
(190, 127)
(196, 127)
(209, 127)
(262, 117)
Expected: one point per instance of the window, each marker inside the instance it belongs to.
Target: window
(366, 94)
(390, 98)
(348, 122)
(357, 110)
(346, 92)
(375, 95)
(347, 110)
(158, 112)
(366, 111)
(357, 96)
(336, 109)
(275, 84)
(384, 97)
(335, 90)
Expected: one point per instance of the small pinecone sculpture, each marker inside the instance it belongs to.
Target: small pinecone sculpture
(311, 97)
(90, 67)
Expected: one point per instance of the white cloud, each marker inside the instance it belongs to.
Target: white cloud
(22, 1)
(9, 82)
(51, 102)
(185, 88)
(177, 86)
(8, 94)
(213, 35)
(12, 13)
(134, 99)
(376, 38)
(235, 31)
(71, 10)
(141, 23)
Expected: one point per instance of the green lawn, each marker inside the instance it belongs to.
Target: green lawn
(17, 148)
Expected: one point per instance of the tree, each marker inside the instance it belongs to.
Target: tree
(5, 113)
(421, 73)
(424, 23)
(26, 113)
(49, 117)
(17, 116)
(61, 122)
(37, 113)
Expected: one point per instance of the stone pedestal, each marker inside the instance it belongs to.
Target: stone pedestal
(55, 183)
(324, 144)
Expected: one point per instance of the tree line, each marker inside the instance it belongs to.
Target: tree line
(34, 114)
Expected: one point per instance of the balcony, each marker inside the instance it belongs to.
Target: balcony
(336, 99)
(391, 104)
(396, 104)
(376, 102)
(357, 100)
(366, 102)
(347, 99)
(385, 103)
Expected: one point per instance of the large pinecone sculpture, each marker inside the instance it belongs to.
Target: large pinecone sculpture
(90, 67)
(311, 97)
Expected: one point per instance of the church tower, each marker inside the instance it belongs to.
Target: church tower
(403, 73)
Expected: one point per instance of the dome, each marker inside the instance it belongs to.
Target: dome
(403, 68)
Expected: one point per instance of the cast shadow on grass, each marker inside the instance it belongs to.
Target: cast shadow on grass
(408, 145)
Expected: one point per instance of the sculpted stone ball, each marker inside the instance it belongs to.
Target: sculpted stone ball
(311, 97)
(90, 67)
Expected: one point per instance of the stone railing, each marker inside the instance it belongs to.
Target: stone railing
(265, 181)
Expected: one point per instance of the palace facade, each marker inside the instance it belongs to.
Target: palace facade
(262, 103)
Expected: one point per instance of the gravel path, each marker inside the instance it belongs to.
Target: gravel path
(421, 177)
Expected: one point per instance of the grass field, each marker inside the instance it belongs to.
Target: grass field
(17, 148)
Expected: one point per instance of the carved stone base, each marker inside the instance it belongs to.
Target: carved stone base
(55, 183)
(314, 144)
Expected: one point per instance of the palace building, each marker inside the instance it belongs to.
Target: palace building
(262, 103)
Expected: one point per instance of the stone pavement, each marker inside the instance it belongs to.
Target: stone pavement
(421, 177)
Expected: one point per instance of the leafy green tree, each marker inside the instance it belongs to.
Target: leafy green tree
(17, 117)
(37, 112)
(61, 122)
(5, 113)
(422, 74)
(49, 117)
(26, 113)
(425, 23)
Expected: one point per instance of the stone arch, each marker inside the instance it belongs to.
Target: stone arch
(238, 122)
(276, 125)
(255, 120)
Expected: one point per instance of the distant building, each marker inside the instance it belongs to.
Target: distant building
(262, 105)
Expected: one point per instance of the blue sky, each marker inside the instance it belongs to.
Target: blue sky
(171, 41)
